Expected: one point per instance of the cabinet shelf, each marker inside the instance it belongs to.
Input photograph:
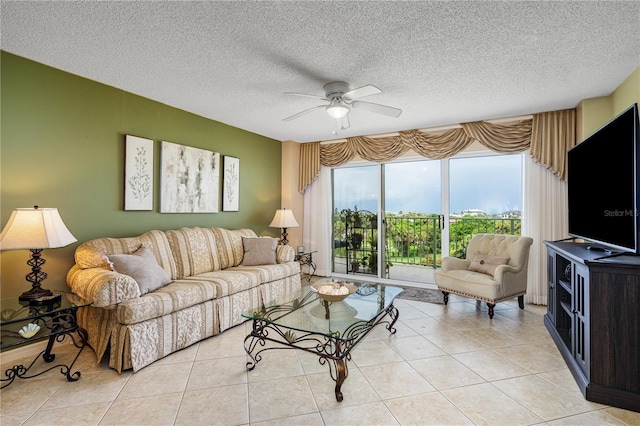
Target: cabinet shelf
(566, 285)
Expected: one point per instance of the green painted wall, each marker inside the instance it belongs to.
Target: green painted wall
(62, 145)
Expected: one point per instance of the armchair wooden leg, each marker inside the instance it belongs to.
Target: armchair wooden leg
(446, 297)
(491, 306)
(521, 301)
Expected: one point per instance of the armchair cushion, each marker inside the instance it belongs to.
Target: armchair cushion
(487, 264)
(454, 263)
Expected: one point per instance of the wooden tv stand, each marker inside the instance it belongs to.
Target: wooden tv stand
(593, 315)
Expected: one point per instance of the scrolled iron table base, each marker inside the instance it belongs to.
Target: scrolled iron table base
(61, 325)
(333, 350)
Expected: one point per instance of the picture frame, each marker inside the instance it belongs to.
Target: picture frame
(231, 184)
(189, 179)
(138, 173)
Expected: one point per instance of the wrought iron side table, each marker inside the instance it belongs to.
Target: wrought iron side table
(25, 322)
(307, 259)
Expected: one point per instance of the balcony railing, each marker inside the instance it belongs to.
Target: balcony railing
(416, 240)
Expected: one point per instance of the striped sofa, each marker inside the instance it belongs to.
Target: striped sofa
(208, 290)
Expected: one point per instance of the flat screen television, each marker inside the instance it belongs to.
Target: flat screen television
(603, 186)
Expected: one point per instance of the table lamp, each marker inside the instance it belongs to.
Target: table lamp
(35, 229)
(284, 219)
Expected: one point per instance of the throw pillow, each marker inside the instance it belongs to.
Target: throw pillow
(259, 251)
(143, 267)
(487, 264)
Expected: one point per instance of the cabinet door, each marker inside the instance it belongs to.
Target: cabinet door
(580, 305)
(551, 286)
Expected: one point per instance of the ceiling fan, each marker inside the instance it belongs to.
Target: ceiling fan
(341, 99)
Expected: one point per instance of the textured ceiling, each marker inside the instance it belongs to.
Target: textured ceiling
(440, 62)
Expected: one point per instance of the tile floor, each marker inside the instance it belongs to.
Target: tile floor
(444, 366)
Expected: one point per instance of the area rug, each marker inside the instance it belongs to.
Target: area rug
(422, 295)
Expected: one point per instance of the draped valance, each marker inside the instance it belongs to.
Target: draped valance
(548, 136)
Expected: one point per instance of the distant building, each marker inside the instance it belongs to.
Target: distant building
(473, 212)
(510, 214)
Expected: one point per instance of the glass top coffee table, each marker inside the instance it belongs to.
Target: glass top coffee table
(328, 329)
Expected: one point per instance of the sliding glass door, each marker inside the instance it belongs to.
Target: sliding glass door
(392, 235)
(397, 220)
(355, 204)
(412, 219)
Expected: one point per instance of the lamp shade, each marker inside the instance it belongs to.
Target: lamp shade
(284, 219)
(35, 228)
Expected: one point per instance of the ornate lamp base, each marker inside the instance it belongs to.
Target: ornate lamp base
(34, 293)
(284, 237)
(35, 277)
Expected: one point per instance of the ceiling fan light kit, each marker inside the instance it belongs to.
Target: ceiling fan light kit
(337, 110)
(342, 98)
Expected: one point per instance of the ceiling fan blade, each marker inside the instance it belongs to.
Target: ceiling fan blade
(306, 95)
(377, 108)
(303, 112)
(361, 92)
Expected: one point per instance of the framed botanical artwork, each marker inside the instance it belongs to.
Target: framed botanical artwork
(138, 173)
(231, 184)
(189, 179)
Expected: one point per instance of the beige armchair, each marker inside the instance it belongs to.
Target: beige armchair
(495, 270)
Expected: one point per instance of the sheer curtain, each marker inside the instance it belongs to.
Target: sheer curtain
(317, 221)
(545, 209)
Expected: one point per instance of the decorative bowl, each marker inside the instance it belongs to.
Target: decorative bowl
(333, 291)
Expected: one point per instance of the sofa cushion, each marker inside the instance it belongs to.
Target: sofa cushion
(229, 245)
(285, 253)
(194, 251)
(94, 253)
(259, 251)
(487, 264)
(194, 290)
(102, 287)
(142, 267)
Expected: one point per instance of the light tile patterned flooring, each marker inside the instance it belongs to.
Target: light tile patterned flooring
(444, 366)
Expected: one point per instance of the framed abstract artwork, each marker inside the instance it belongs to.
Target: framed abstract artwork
(138, 173)
(231, 184)
(189, 179)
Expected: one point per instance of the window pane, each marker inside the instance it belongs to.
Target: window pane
(490, 184)
(355, 187)
(485, 196)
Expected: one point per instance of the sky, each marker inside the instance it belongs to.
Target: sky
(491, 184)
